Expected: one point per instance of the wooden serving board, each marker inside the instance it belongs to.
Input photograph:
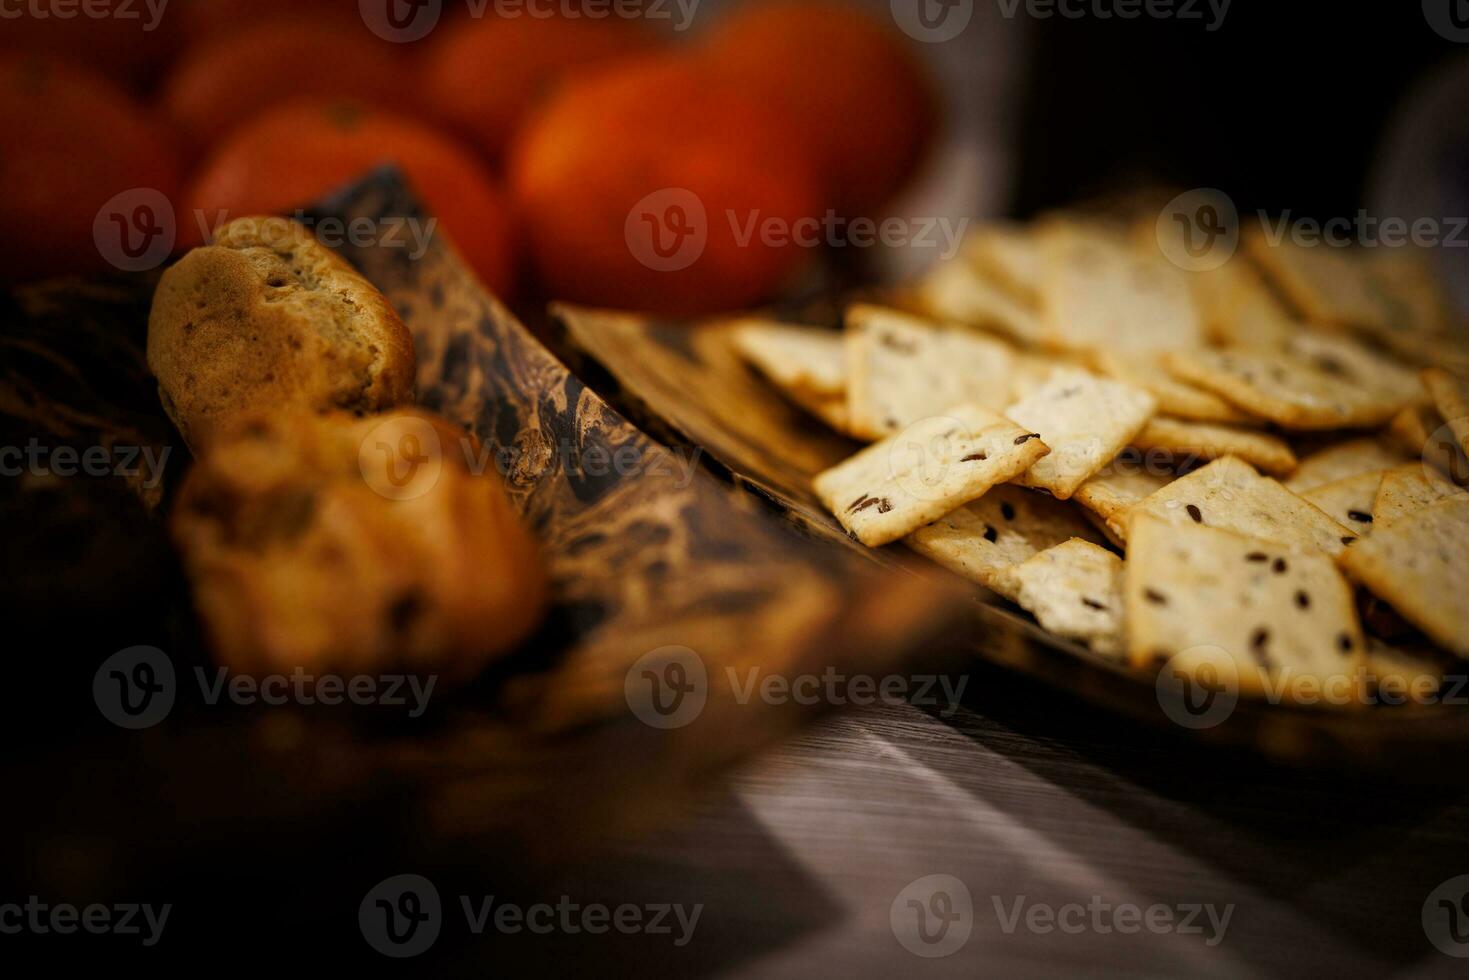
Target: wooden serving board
(539, 760)
(685, 381)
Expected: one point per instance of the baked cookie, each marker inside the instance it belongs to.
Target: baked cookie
(351, 546)
(269, 320)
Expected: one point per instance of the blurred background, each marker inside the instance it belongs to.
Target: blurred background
(535, 127)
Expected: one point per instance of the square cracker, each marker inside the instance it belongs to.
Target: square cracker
(1113, 491)
(1229, 494)
(1351, 458)
(1098, 293)
(902, 368)
(985, 539)
(1419, 564)
(1328, 286)
(1408, 489)
(955, 291)
(1349, 502)
(896, 486)
(1074, 590)
(1451, 397)
(1086, 420)
(1145, 370)
(1186, 441)
(806, 359)
(1274, 617)
(1289, 390)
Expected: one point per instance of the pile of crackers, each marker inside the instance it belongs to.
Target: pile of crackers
(1252, 471)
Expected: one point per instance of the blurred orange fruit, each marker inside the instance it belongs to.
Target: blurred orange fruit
(484, 76)
(128, 42)
(297, 153)
(649, 185)
(232, 76)
(848, 80)
(73, 140)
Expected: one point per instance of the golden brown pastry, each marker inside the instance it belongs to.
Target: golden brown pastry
(355, 546)
(268, 319)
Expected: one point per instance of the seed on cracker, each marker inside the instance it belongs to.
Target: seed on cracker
(985, 539)
(902, 368)
(1351, 458)
(1408, 489)
(1419, 564)
(1086, 420)
(1349, 502)
(907, 480)
(1275, 618)
(1228, 493)
(1074, 590)
(1290, 391)
(1194, 441)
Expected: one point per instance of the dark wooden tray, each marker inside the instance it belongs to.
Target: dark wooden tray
(685, 382)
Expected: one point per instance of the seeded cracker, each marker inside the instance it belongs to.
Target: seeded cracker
(1349, 502)
(1290, 391)
(982, 541)
(1352, 458)
(1085, 420)
(1451, 396)
(794, 357)
(1229, 494)
(898, 485)
(1419, 564)
(1186, 441)
(902, 368)
(1075, 590)
(1408, 489)
(1274, 617)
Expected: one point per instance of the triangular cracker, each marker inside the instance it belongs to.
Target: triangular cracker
(902, 368)
(898, 485)
(1086, 420)
(1419, 564)
(1349, 502)
(1074, 590)
(984, 539)
(1276, 618)
(1193, 441)
(1351, 458)
(1408, 489)
(1229, 494)
(1291, 391)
